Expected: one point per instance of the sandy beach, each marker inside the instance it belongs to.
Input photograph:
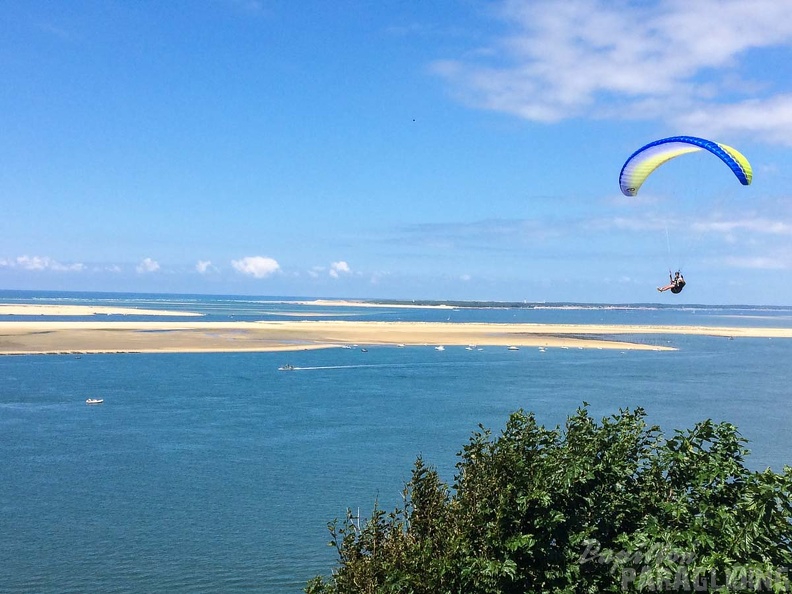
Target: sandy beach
(195, 336)
(85, 310)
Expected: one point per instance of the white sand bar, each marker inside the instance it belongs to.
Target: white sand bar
(85, 310)
(196, 336)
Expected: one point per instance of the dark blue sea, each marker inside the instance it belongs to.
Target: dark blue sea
(219, 473)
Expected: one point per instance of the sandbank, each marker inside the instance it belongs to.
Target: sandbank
(84, 310)
(31, 337)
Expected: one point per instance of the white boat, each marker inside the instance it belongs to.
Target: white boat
(94, 401)
(470, 347)
(286, 368)
(513, 348)
(440, 348)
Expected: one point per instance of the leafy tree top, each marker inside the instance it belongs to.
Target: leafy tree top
(606, 506)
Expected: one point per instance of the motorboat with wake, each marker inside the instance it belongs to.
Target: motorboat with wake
(94, 401)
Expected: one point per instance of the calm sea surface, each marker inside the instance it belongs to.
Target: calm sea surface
(217, 472)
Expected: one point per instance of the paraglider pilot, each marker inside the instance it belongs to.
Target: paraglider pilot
(676, 285)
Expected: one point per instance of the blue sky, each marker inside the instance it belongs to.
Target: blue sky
(410, 150)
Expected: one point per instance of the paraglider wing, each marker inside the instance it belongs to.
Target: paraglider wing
(645, 160)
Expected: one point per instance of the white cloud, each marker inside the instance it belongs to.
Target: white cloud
(256, 266)
(744, 225)
(33, 262)
(147, 265)
(769, 118)
(39, 263)
(339, 268)
(649, 222)
(205, 267)
(763, 226)
(758, 262)
(675, 60)
(447, 236)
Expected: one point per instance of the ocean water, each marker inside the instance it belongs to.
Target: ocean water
(217, 472)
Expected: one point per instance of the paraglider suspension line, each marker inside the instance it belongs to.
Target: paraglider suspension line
(668, 246)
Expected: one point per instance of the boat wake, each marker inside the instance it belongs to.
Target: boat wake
(410, 365)
(316, 367)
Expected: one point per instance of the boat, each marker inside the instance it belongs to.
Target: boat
(364, 350)
(286, 368)
(440, 348)
(513, 348)
(94, 401)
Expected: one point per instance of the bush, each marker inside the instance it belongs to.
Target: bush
(590, 507)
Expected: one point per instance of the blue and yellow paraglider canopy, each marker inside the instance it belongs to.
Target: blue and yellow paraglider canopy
(645, 160)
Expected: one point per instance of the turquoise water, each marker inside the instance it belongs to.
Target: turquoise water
(217, 472)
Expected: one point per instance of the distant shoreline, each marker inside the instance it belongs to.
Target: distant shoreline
(356, 303)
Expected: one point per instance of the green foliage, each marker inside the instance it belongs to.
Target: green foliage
(605, 506)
